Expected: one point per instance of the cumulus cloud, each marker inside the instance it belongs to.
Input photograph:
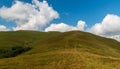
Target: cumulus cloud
(96, 29)
(3, 28)
(81, 25)
(29, 16)
(117, 37)
(62, 27)
(109, 26)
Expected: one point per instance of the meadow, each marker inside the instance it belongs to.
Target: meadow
(56, 50)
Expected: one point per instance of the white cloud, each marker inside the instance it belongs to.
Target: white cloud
(62, 27)
(81, 25)
(109, 27)
(117, 37)
(29, 16)
(3, 28)
(96, 29)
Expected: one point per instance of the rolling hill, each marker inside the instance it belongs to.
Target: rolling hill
(55, 50)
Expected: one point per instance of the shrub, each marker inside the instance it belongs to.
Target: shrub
(13, 51)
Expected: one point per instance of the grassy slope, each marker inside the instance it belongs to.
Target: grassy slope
(54, 50)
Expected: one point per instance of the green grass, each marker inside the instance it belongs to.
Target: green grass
(55, 50)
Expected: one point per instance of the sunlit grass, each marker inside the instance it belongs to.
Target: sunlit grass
(55, 50)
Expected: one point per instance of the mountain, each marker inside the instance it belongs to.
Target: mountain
(56, 50)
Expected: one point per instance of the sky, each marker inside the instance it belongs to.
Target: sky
(101, 17)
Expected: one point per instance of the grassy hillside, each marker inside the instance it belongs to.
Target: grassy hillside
(55, 50)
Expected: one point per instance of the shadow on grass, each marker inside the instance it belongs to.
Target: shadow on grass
(13, 51)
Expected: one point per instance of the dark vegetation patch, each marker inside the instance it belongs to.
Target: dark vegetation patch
(13, 51)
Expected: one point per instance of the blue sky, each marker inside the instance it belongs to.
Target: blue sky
(90, 11)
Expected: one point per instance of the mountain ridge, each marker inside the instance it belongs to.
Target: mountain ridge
(56, 50)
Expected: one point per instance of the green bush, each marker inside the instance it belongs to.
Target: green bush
(13, 51)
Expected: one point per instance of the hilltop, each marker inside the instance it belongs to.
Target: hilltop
(56, 50)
